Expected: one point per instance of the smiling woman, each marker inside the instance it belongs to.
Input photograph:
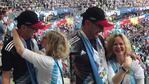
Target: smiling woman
(121, 66)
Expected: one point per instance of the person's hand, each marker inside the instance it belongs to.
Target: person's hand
(14, 29)
(127, 63)
(134, 56)
(1, 44)
(17, 41)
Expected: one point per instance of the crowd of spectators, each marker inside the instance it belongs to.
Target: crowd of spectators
(79, 5)
(138, 34)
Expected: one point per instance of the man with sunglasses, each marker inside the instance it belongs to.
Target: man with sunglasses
(23, 71)
(87, 58)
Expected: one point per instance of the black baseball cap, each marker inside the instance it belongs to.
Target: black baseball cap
(30, 18)
(96, 15)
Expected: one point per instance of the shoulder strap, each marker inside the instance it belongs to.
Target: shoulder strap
(60, 70)
(114, 66)
(132, 79)
(32, 72)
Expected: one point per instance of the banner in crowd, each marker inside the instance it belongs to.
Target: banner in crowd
(133, 9)
(134, 20)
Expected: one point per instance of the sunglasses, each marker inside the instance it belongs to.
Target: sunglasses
(98, 26)
(30, 27)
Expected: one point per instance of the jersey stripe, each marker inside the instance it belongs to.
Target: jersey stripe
(9, 46)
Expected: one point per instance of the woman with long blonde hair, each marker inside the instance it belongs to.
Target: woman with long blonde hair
(48, 65)
(122, 68)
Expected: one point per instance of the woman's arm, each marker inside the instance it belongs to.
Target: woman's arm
(6, 77)
(38, 60)
(134, 56)
(119, 77)
(124, 69)
(115, 78)
(18, 43)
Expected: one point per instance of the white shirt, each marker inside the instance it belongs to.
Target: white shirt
(45, 67)
(135, 67)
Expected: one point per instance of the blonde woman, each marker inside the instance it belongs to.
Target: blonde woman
(49, 65)
(122, 68)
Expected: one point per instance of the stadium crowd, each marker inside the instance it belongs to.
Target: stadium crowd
(138, 34)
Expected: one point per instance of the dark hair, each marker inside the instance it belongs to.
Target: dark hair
(83, 21)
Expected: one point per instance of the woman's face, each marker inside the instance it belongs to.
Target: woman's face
(119, 46)
(27, 31)
(43, 42)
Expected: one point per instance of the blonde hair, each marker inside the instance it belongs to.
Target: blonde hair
(111, 39)
(57, 45)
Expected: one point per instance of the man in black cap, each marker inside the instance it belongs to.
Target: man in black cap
(87, 59)
(23, 72)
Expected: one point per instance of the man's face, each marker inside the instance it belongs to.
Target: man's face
(95, 30)
(27, 31)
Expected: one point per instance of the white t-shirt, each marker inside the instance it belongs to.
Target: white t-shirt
(47, 69)
(136, 68)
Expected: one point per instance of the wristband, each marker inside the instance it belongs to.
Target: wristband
(124, 69)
